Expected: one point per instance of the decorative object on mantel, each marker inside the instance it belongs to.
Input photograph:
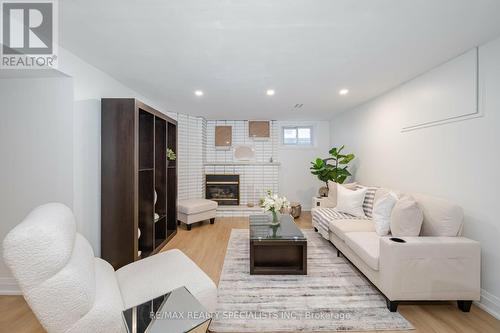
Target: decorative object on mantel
(274, 203)
(259, 129)
(244, 153)
(335, 171)
(223, 136)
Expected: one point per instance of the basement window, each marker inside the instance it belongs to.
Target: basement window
(297, 135)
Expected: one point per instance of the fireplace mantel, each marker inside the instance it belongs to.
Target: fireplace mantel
(241, 163)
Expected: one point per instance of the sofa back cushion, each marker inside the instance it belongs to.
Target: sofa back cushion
(406, 218)
(369, 199)
(382, 211)
(332, 191)
(441, 217)
(351, 202)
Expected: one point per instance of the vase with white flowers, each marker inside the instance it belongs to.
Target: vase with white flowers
(274, 203)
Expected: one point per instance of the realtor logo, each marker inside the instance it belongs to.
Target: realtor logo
(28, 34)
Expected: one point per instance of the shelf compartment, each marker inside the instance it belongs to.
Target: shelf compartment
(161, 166)
(146, 212)
(160, 231)
(171, 202)
(146, 140)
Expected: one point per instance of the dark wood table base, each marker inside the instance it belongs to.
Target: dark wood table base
(278, 257)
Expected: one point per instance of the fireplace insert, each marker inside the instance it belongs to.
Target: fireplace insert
(225, 189)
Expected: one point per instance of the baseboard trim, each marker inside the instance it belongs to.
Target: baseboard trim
(8, 286)
(489, 303)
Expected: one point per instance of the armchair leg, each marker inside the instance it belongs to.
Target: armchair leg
(315, 229)
(212, 220)
(188, 227)
(392, 305)
(338, 253)
(178, 222)
(464, 306)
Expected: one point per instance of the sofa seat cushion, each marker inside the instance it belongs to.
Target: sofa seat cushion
(194, 206)
(366, 245)
(342, 226)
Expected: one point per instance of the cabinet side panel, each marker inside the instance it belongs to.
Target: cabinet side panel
(118, 181)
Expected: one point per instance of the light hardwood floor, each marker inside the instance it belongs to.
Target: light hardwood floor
(206, 245)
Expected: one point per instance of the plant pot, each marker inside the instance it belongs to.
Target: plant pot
(323, 191)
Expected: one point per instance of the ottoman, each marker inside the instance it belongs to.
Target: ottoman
(196, 210)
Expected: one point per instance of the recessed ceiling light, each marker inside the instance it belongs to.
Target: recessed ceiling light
(343, 91)
(198, 93)
(270, 92)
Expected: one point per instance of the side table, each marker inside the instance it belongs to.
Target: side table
(319, 202)
(176, 312)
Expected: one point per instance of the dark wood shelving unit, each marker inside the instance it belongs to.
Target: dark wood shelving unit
(134, 165)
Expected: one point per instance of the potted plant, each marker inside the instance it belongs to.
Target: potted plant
(333, 168)
(274, 203)
(170, 155)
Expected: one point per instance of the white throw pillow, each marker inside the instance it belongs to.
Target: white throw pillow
(382, 213)
(351, 202)
(406, 217)
(332, 190)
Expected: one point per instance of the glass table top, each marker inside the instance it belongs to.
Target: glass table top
(176, 312)
(262, 229)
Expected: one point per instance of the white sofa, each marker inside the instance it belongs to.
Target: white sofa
(70, 290)
(437, 265)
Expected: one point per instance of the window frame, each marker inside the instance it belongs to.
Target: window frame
(296, 128)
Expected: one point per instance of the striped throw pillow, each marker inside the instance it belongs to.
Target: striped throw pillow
(369, 199)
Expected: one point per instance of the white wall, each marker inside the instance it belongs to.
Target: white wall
(459, 161)
(296, 181)
(36, 149)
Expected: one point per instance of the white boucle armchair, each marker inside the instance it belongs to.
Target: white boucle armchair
(70, 290)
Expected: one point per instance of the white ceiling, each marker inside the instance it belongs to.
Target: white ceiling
(306, 50)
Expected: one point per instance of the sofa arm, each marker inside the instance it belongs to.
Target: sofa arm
(161, 273)
(430, 268)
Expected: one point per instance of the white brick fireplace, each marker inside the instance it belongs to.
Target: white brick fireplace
(256, 176)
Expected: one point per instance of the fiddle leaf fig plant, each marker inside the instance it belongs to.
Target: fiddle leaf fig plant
(332, 168)
(322, 170)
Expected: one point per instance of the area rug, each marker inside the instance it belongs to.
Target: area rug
(333, 296)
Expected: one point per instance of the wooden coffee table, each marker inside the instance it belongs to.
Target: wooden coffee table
(277, 250)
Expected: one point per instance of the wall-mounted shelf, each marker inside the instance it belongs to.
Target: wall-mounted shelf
(240, 163)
